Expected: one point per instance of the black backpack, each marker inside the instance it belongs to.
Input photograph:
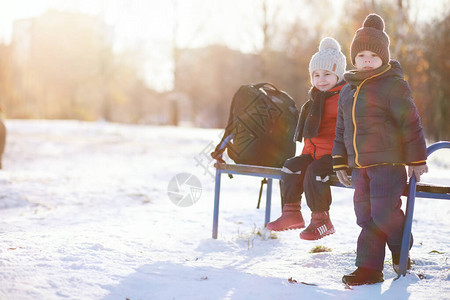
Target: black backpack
(260, 128)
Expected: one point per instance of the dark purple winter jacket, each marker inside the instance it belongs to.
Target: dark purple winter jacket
(378, 123)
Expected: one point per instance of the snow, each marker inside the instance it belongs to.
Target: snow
(85, 214)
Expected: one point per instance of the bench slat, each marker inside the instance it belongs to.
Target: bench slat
(425, 188)
(248, 168)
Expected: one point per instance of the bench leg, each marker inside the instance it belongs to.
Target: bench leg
(216, 205)
(268, 200)
(406, 239)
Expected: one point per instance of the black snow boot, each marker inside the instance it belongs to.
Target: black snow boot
(396, 262)
(363, 276)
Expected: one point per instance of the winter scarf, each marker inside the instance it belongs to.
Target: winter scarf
(314, 116)
(355, 77)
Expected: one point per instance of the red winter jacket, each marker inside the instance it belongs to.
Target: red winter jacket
(322, 144)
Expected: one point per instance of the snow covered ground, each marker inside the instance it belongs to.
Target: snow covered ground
(85, 213)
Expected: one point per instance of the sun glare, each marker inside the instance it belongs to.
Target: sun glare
(150, 27)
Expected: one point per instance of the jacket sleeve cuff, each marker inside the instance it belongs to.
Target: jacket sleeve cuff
(339, 163)
(417, 163)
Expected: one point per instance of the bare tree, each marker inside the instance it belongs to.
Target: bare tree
(269, 30)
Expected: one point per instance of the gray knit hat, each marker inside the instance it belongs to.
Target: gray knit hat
(371, 37)
(328, 58)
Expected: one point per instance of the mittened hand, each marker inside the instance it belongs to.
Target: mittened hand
(417, 170)
(343, 178)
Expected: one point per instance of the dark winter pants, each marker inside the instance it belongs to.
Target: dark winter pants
(378, 212)
(302, 173)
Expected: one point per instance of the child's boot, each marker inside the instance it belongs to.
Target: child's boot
(363, 276)
(320, 226)
(396, 262)
(291, 218)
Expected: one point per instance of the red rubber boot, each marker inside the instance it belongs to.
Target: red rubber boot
(291, 218)
(320, 226)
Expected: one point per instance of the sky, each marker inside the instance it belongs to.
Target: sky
(148, 25)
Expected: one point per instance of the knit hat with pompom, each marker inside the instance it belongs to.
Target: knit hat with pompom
(328, 58)
(371, 37)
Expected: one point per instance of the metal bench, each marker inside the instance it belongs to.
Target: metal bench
(414, 189)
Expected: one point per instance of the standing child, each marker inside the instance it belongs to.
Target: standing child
(378, 131)
(310, 171)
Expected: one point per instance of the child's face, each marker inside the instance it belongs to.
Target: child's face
(324, 80)
(367, 60)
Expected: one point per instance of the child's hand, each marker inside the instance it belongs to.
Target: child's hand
(342, 176)
(417, 170)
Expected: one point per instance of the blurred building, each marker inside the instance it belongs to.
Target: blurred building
(29, 36)
(56, 59)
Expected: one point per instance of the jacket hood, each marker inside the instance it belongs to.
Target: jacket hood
(396, 70)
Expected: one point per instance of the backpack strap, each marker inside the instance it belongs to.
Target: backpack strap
(264, 181)
(218, 152)
(220, 148)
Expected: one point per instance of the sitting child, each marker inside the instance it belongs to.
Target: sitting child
(310, 171)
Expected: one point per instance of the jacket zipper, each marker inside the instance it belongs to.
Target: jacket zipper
(315, 148)
(355, 97)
